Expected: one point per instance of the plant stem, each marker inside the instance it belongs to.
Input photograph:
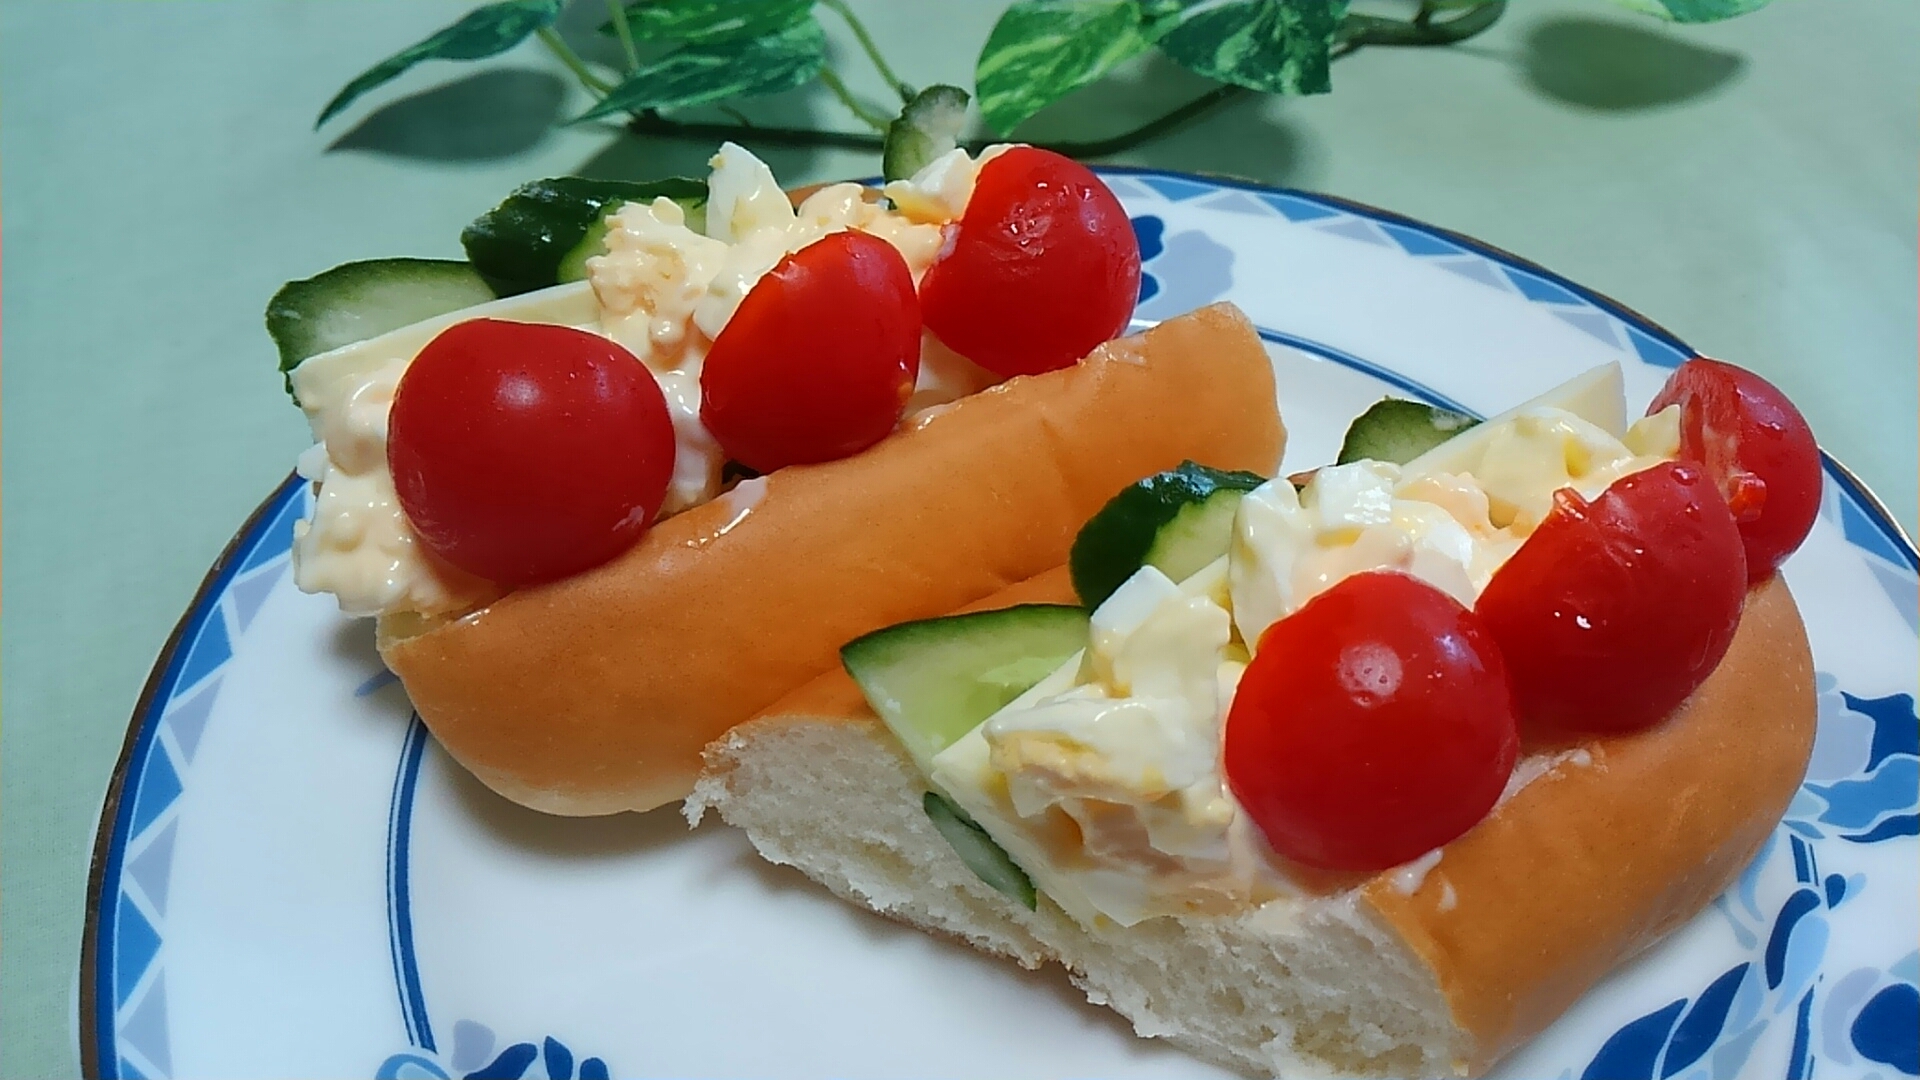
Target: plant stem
(1355, 32)
(655, 124)
(1359, 30)
(1159, 125)
(702, 131)
(738, 116)
(872, 119)
(840, 8)
(619, 10)
(574, 64)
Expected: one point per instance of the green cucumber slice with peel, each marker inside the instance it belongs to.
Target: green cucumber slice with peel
(360, 300)
(934, 680)
(1397, 431)
(927, 127)
(544, 232)
(1176, 521)
(988, 860)
(573, 265)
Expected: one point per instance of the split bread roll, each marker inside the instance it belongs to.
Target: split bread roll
(596, 693)
(1611, 846)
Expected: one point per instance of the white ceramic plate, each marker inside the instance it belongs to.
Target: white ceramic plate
(291, 879)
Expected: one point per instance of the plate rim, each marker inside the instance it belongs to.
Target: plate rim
(110, 839)
(108, 845)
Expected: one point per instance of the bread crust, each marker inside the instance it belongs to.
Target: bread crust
(596, 693)
(1586, 865)
(1590, 864)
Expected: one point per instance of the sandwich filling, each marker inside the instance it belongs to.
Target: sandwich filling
(1105, 782)
(662, 290)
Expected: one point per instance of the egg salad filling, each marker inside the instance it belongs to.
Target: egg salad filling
(662, 290)
(1104, 781)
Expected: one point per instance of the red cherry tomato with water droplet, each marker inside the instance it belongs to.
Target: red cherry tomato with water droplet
(1614, 611)
(1042, 266)
(1372, 726)
(1758, 449)
(820, 358)
(523, 453)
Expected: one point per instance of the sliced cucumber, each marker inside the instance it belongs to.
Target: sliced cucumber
(573, 265)
(927, 127)
(988, 860)
(360, 300)
(1177, 521)
(934, 680)
(543, 233)
(1398, 431)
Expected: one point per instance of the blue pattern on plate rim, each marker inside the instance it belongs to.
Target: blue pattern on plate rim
(473, 1058)
(406, 780)
(1860, 793)
(127, 1025)
(1782, 918)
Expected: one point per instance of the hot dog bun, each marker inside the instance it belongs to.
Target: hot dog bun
(595, 694)
(1610, 846)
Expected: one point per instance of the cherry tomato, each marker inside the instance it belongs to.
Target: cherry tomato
(1614, 611)
(820, 358)
(1373, 725)
(1042, 266)
(524, 453)
(1758, 449)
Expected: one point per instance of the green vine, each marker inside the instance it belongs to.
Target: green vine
(571, 60)
(867, 45)
(681, 54)
(1356, 31)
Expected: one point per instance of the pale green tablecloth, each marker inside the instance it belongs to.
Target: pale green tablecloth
(1751, 185)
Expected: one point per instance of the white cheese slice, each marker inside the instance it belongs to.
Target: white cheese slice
(1598, 396)
(322, 381)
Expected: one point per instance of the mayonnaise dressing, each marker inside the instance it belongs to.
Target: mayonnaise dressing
(1105, 781)
(662, 290)
(1452, 530)
(357, 544)
(1108, 789)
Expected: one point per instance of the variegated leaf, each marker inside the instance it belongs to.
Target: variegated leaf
(1693, 11)
(710, 22)
(1042, 50)
(482, 32)
(1278, 46)
(698, 74)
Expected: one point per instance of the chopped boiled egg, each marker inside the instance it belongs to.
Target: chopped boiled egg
(662, 290)
(743, 197)
(1288, 548)
(1111, 784)
(1542, 450)
(1656, 435)
(938, 193)
(1451, 529)
(655, 271)
(1597, 396)
(1104, 781)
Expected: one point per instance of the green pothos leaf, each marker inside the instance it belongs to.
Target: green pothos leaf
(1277, 46)
(696, 74)
(482, 32)
(1042, 50)
(927, 127)
(1693, 11)
(711, 22)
